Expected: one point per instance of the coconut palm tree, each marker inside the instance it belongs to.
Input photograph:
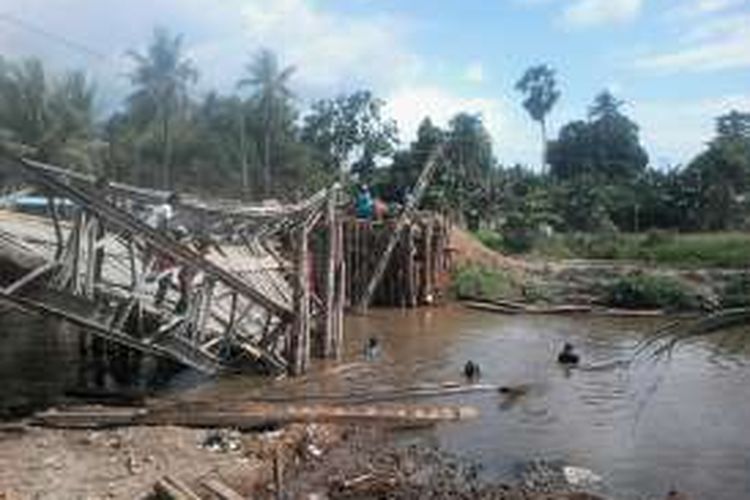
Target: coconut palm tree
(539, 86)
(51, 119)
(162, 77)
(270, 83)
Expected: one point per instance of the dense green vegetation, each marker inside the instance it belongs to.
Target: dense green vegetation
(716, 249)
(259, 142)
(479, 282)
(646, 291)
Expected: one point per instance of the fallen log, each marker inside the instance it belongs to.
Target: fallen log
(516, 308)
(249, 415)
(508, 307)
(89, 417)
(386, 395)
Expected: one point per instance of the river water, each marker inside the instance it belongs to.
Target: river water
(644, 427)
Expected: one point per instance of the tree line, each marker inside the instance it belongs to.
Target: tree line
(257, 142)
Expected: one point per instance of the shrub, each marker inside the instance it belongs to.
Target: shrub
(645, 291)
(490, 239)
(736, 292)
(479, 282)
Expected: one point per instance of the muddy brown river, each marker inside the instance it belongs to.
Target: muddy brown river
(644, 427)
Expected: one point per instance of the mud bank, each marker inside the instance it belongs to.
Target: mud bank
(296, 461)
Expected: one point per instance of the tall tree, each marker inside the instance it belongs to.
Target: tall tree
(733, 125)
(52, 116)
(722, 172)
(539, 86)
(162, 77)
(270, 82)
(350, 129)
(607, 145)
(470, 162)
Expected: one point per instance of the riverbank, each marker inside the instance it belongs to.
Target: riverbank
(480, 272)
(296, 461)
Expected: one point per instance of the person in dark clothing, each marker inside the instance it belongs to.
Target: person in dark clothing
(472, 371)
(567, 356)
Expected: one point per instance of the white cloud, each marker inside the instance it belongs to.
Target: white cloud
(333, 51)
(474, 72)
(515, 138)
(675, 131)
(585, 13)
(699, 8)
(717, 43)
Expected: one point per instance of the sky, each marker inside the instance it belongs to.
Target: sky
(676, 63)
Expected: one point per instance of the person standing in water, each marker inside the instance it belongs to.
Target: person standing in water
(567, 356)
(372, 349)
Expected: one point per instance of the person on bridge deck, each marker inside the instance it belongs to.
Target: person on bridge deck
(364, 207)
(567, 356)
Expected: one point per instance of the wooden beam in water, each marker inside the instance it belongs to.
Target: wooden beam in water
(250, 415)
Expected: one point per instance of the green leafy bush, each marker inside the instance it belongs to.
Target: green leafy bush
(479, 282)
(645, 291)
(490, 239)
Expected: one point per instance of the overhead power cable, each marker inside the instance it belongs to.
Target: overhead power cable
(67, 42)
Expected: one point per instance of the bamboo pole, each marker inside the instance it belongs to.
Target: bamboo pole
(299, 344)
(329, 343)
(341, 290)
(428, 269)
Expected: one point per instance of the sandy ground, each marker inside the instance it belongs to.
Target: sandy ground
(126, 463)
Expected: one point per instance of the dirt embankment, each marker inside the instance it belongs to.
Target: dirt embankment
(584, 282)
(298, 461)
(467, 249)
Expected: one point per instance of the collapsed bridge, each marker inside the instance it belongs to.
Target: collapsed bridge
(268, 291)
(248, 303)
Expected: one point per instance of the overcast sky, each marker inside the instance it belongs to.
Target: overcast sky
(677, 63)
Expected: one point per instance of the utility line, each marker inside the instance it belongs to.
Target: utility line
(71, 44)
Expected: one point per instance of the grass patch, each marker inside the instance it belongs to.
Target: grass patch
(700, 249)
(479, 282)
(641, 291)
(723, 250)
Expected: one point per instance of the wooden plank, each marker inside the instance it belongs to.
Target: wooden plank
(248, 415)
(220, 490)
(174, 489)
(406, 214)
